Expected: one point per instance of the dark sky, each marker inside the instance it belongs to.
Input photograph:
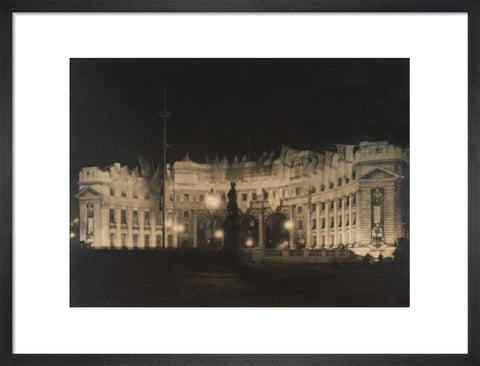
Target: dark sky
(219, 104)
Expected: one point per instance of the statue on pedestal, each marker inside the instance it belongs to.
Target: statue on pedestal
(232, 201)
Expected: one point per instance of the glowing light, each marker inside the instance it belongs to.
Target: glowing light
(169, 223)
(72, 235)
(212, 202)
(219, 234)
(179, 228)
(288, 225)
(249, 242)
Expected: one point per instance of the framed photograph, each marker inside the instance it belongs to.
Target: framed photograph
(239, 183)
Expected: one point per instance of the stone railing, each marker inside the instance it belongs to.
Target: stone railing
(286, 256)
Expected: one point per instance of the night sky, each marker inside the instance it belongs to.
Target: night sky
(219, 105)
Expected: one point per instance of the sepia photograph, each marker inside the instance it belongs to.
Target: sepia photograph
(239, 182)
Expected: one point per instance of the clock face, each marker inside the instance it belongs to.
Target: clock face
(377, 196)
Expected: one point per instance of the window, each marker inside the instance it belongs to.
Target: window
(332, 204)
(147, 218)
(265, 195)
(314, 207)
(313, 190)
(186, 197)
(354, 199)
(187, 227)
(124, 193)
(147, 241)
(244, 197)
(348, 201)
(285, 193)
(112, 240)
(135, 217)
(112, 191)
(340, 203)
(339, 182)
(314, 223)
(331, 222)
(186, 214)
(254, 196)
(135, 195)
(354, 221)
(202, 197)
(339, 220)
(347, 220)
(330, 186)
(170, 197)
(333, 239)
(347, 180)
(159, 241)
(300, 225)
(322, 187)
(275, 194)
(353, 175)
(298, 170)
(124, 240)
(299, 209)
(323, 223)
(135, 240)
(298, 190)
(112, 216)
(323, 239)
(314, 239)
(123, 220)
(323, 206)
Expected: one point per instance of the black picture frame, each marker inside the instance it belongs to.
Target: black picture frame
(6, 247)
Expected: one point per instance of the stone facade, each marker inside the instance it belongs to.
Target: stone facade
(353, 196)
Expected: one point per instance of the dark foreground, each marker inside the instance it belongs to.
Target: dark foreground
(203, 278)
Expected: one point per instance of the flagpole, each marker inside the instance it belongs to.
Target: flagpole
(164, 114)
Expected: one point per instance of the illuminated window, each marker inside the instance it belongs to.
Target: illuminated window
(147, 241)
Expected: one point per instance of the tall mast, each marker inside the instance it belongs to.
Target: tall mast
(164, 114)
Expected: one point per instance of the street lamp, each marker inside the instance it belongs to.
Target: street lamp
(212, 202)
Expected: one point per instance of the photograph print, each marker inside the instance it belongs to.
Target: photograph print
(239, 182)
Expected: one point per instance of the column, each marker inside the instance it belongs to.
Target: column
(195, 233)
(327, 223)
(350, 218)
(292, 230)
(118, 242)
(319, 224)
(141, 234)
(175, 233)
(335, 222)
(153, 228)
(344, 228)
(261, 243)
(309, 225)
(129, 229)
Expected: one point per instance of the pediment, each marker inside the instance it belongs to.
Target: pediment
(88, 193)
(380, 173)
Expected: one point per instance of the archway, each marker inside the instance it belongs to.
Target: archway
(276, 234)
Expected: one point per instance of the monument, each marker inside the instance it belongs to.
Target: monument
(232, 226)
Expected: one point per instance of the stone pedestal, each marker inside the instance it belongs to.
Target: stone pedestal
(233, 233)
